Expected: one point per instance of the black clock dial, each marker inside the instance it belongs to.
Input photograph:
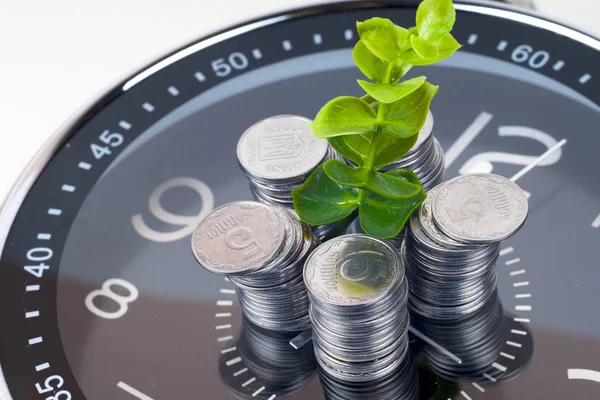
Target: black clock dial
(101, 298)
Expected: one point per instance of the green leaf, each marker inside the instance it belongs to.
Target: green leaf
(435, 18)
(354, 147)
(369, 64)
(384, 39)
(396, 188)
(406, 174)
(344, 174)
(344, 116)
(385, 217)
(446, 46)
(407, 116)
(321, 201)
(375, 68)
(404, 68)
(392, 147)
(403, 34)
(384, 184)
(389, 93)
(423, 48)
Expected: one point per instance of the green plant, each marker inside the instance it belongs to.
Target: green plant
(380, 127)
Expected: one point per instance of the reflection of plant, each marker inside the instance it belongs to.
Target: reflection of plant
(380, 127)
(433, 386)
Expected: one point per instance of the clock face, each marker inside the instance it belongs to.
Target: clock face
(100, 295)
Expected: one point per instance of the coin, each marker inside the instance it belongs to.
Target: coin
(280, 147)
(480, 208)
(425, 132)
(277, 155)
(238, 237)
(352, 270)
(358, 308)
(452, 280)
(261, 248)
(427, 224)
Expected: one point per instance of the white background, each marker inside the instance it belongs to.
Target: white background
(56, 55)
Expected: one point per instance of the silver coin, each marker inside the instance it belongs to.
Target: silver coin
(480, 208)
(425, 132)
(352, 270)
(238, 237)
(427, 224)
(280, 148)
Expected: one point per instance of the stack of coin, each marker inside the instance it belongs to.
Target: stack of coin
(454, 240)
(277, 155)
(451, 248)
(358, 307)
(261, 249)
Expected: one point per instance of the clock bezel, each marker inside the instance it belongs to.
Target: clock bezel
(21, 188)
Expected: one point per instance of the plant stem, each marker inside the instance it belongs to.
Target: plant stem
(362, 194)
(370, 162)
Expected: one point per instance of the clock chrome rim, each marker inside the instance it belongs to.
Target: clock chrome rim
(20, 189)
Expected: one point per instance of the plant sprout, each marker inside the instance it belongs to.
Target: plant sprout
(380, 127)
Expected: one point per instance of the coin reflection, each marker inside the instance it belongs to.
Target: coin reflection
(268, 357)
(401, 384)
(481, 340)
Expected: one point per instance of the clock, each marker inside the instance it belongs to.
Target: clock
(100, 295)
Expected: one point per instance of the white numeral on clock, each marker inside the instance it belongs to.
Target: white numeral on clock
(187, 223)
(223, 68)
(535, 59)
(38, 254)
(109, 140)
(482, 162)
(60, 395)
(54, 383)
(107, 292)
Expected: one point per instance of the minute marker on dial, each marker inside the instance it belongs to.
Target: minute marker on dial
(42, 367)
(585, 78)
(257, 54)
(173, 91)
(472, 39)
